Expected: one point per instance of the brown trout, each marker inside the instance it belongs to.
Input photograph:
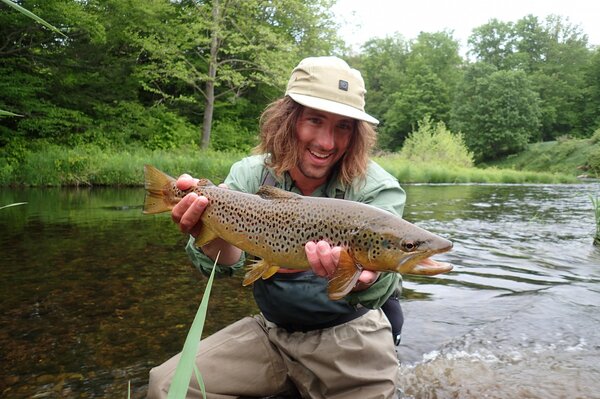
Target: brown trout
(274, 225)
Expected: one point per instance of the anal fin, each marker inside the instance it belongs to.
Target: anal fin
(270, 272)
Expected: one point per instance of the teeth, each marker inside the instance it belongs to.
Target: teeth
(318, 155)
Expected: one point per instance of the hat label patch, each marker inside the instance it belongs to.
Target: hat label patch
(343, 85)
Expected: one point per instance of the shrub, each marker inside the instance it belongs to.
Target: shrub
(596, 137)
(434, 143)
(593, 161)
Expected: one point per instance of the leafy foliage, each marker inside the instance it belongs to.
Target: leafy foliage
(497, 111)
(410, 80)
(434, 143)
(554, 55)
(138, 73)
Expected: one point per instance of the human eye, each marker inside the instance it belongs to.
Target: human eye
(345, 125)
(314, 120)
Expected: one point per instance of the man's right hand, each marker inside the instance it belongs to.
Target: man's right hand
(188, 211)
(187, 214)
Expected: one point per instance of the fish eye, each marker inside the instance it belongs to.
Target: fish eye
(409, 246)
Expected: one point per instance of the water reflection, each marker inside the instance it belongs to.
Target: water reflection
(93, 294)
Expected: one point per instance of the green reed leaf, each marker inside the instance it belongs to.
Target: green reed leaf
(200, 381)
(187, 362)
(15, 204)
(596, 204)
(31, 15)
(7, 113)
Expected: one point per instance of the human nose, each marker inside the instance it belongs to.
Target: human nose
(326, 137)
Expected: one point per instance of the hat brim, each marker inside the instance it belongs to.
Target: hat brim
(333, 107)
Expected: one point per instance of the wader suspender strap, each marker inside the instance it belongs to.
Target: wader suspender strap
(269, 180)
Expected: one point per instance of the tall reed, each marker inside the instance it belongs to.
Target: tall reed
(596, 204)
(187, 362)
(15, 204)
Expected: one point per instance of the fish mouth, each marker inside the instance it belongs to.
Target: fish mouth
(420, 263)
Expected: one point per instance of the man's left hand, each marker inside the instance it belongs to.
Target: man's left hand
(324, 259)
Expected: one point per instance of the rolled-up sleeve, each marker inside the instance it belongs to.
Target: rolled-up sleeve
(205, 264)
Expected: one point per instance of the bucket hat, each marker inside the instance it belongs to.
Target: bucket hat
(329, 84)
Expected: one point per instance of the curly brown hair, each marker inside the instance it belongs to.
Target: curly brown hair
(278, 140)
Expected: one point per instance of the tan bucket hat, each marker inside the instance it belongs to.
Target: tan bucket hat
(329, 84)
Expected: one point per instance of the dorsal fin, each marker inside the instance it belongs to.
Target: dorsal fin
(270, 192)
(205, 183)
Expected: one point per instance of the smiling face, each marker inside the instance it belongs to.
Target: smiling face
(323, 139)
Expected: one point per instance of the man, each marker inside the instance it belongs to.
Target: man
(315, 141)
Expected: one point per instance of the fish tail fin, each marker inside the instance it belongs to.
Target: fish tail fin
(345, 277)
(258, 270)
(159, 197)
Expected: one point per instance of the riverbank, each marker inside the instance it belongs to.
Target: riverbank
(576, 157)
(94, 166)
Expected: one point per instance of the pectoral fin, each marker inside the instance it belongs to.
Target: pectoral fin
(345, 277)
(260, 269)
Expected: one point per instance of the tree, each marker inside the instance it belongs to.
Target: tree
(494, 43)
(496, 110)
(554, 55)
(382, 64)
(412, 81)
(30, 55)
(591, 112)
(220, 49)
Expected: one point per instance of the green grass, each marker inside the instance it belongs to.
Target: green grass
(574, 157)
(411, 172)
(53, 165)
(93, 166)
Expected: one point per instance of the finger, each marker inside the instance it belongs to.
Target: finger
(223, 185)
(335, 254)
(313, 259)
(325, 257)
(185, 182)
(368, 277)
(190, 221)
(182, 206)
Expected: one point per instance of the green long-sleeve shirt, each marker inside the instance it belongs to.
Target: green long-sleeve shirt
(378, 188)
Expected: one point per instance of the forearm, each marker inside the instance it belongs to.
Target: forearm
(205, 264)
(227, 253)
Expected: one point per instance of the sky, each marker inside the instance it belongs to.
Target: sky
(361, 20)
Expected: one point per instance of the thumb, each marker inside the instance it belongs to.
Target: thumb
(185, 182)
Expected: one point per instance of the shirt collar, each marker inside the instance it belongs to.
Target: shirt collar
(330, 189)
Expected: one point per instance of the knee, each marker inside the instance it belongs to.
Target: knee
(158, 384)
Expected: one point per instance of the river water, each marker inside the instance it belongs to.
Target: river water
(93, 294)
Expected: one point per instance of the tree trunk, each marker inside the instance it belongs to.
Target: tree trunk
(210, 82)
